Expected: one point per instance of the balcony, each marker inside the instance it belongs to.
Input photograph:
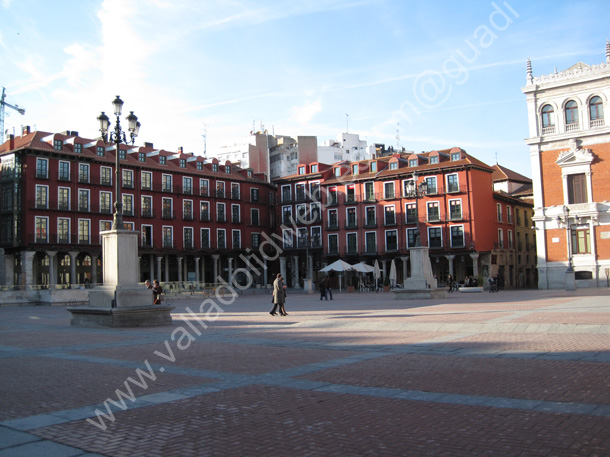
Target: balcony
(332, 225)
(411, 219)
(332, 200)
(433, 218)
(220, 193)
(369, 223)
(455, 188)
(187, 217)
(333, 250)
(167, 214)
(168, 243)
(148, 213)
(204, 217)
(221, 218)
(370, 249)
(390, 221)
(370, 197)
(548, 130)
(351, 224)
(572, 127)
(351, 250)
(350, 198)
(204, 192)
(596, 123)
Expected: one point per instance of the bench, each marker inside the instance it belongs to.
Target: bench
(469, 290)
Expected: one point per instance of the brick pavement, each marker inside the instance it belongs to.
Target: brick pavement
(516, 373)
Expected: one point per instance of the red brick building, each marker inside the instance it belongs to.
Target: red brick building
(367, 211)
(195, 219)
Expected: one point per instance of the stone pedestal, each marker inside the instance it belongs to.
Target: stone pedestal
(308, 286)
(422, 283)
(121, 301)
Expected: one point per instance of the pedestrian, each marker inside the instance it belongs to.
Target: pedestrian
(148, 284)
(329, 291)
(157, 291)
(323, 289)
(279, 296)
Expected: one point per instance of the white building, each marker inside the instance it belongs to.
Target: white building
(347, 146)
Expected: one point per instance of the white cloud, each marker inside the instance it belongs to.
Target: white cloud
(304, 114)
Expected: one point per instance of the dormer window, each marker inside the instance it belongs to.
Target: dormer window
(182, 163)
(393, 165)
(228, 169)
(412, 162)
(142, 157)
(162, 160)
(122, 154)
(433, 159)
(455, 156)
(373, 167)
(78, 148)
(199, 165)
(57, 145)
(249, 173)
(215, 167)
(301, 170)
(338, 172)
(314, 168)
(100, 151)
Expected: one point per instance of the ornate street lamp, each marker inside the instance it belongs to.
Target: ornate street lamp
(417, 191)
(568, 225)
(117, 137)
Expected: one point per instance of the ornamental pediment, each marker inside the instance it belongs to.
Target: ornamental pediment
(575, 156)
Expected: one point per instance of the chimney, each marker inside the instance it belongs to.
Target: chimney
(11, 142)
(181, 149)
(25, 130)
(148, 145)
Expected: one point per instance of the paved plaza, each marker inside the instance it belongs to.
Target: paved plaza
(517, 373)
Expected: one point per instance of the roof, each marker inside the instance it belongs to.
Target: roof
(501, 173)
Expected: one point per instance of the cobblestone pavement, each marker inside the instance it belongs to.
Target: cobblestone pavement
(518, 373)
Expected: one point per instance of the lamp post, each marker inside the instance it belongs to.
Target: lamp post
(565, 219)
(417, 191)
(117, 137)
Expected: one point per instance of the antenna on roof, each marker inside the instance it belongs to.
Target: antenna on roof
(397, 137)
(346, 123)
(496, 157)
(205, 137)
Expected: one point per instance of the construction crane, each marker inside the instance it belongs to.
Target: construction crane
(2, 109)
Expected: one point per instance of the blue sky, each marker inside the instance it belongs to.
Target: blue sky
(438, 73)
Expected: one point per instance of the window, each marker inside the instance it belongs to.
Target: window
(314, 168)
(389, 215)
(122, 154)
(220, 189)
(63, 230)
(41, 229)
(83, 173)
(187, 210)
(146, 236)
(105, 202)
(370, 242)
(42, 168)
(83, 200)
(453, 184)
(168, 237)
(433, 159)
(220, 212)
(577, 188)
(64, 171)
(106, 176)
(166, 209)
(162, 160)
(182, 163)
(455, 210)
(500, 238)
(204, 186)
(147, 206)
(299, 190)
(63, 199)
(581, 243)
(369, 191)
(221, 239)
(434, 214)
(337, 172)
(455, 156)
(42, 197)
(146, 180)
(333, 219)
(78, 148)
(57, 145)
(83, 231)
(236, 239)
(127, 178)
(141, 157)
(391, 240)
(373, 167)
(499, 211)
(411, 237)
(412, 162)
(301, 170)
(205, 238)
(286, 193)
(235, 214)
(316, 237)
(187, 234)
(548, 124)
(431, 182)
(332, 196)
(350, 193)
(388, 190)
(287, 238)
(571, 116)
(371, 217)
(352, 243)
(235, 191)
(204, 211)
(100, 151)
(457, 236)
(228, 169)
(255, 240)
(355, 169)
(166, 183)
(215, 167)
(509, 214)
(187, 185)
(510, 239)
(596, 112)
(286, 215)
(517, 217)
(351, 218)
(411, 213)
(127, 204)
(393, 165)
(199, 165)
(254, 195)
(333, 243)
(435, 237)
(254, 217)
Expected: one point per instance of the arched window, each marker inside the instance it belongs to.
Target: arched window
(548, 124)
(596, 112)
(571, 116)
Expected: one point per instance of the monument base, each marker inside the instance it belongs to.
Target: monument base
(410, 294)
(133, 316)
